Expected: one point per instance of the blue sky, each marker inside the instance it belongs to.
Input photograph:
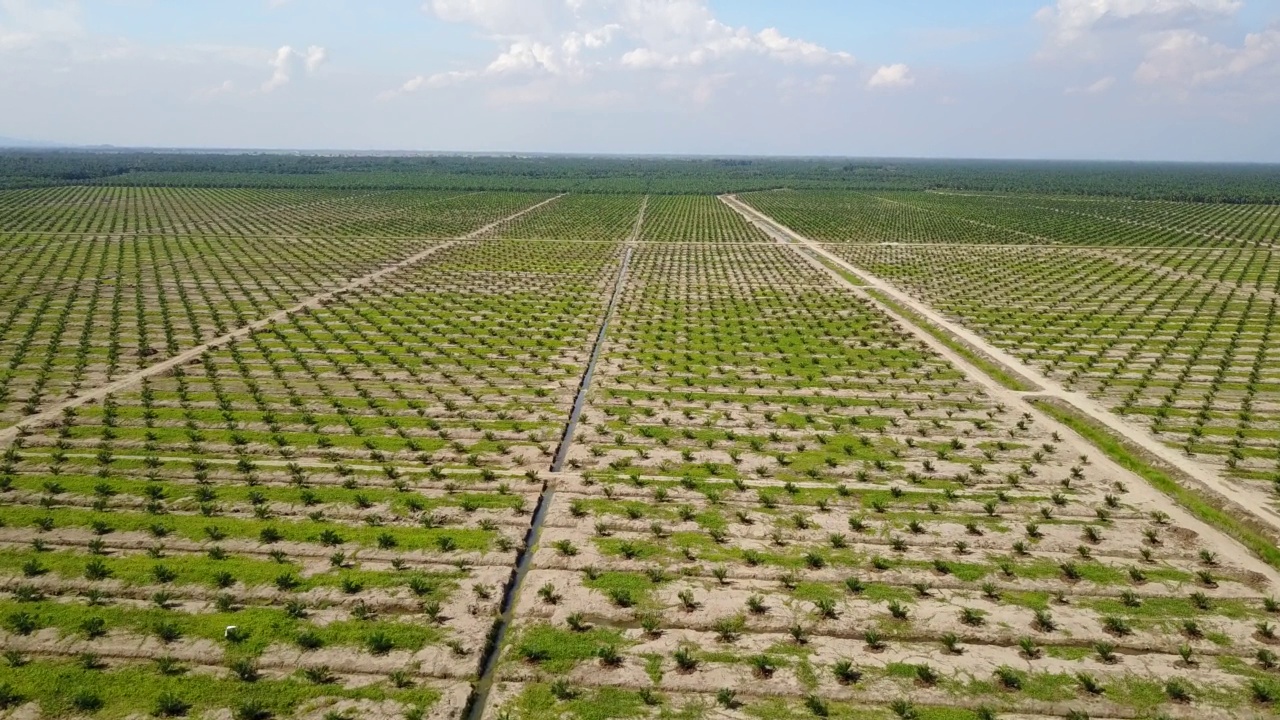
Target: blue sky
(1111, 79)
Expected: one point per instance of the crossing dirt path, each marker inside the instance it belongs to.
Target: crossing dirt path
(310, 303)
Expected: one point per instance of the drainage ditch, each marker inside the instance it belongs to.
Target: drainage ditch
(488, 668)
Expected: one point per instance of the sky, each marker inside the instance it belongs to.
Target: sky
(1193, 80)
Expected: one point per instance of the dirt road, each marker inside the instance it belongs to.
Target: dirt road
(1247, 499)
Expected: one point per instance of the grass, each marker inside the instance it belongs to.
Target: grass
(261, 626)
(1131, 459)
(638, 586)
(126, 690)
(192, 527)
(848, 277)
(180, 494)
(539, 701)
(795, 709)
(1069, 652)
(560, 649)
(653, 667)
(1169, 608)
(136, 570)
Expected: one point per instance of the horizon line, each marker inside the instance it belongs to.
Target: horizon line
(322, 152)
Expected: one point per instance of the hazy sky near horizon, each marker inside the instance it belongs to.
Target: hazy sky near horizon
(1107, 79)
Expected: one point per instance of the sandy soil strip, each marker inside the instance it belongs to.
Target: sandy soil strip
(477, 233)
(315, 301)
(1248, 500)
(635, 231)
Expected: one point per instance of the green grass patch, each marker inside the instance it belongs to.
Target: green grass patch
(193, 527)
(190, 569)
(1068, 652)
(134, 689)
(261, 626)
(637, 586)
(539, 701)
(558, 650)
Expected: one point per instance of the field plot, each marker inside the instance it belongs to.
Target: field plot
(1181, 343)
(695, 218)
(347, 489)
(783, 507)
(860, 217)
(1097, 221)
(577, 217)
(133, 210)
(778, 504)
(412, 214)
(920, 217)
(205, 211)
(79, 311)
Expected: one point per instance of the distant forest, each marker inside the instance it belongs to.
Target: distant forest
(1220, 183)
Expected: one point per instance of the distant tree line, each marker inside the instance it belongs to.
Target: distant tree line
(1222, 183)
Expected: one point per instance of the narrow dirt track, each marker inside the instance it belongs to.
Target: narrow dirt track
(1251, 501)
(635, 230)
(98, 393)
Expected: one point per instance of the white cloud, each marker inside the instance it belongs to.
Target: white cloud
(1184, 59)
(644, 58)
(281, 63)
(1172, 47)
(721, 42)
(315, 57)
(1073, 21)
(444, 79)
(892, 76)
(438, 80)
(1095, 88)
(574, 39)
(526, 56)
(781, 47)
(414, 84)
(284, 64)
